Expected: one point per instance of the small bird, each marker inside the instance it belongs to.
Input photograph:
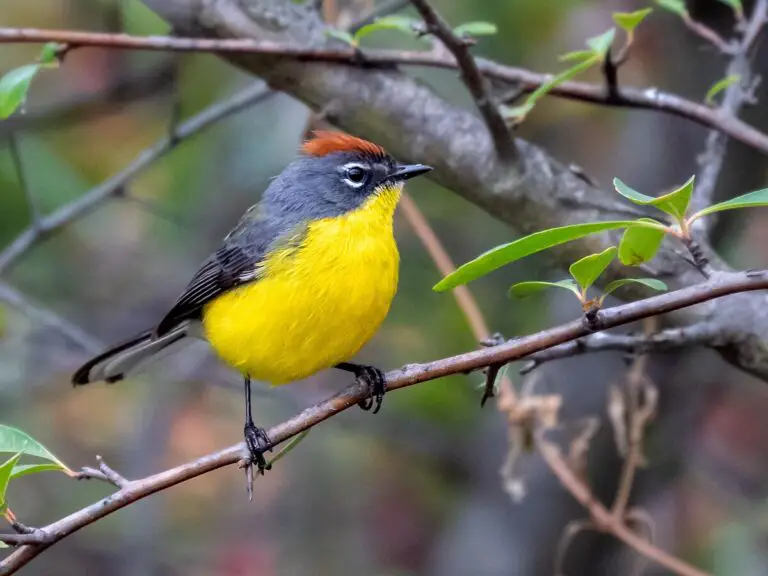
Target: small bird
(299, 285)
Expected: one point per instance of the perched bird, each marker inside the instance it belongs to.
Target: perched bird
(301, 283)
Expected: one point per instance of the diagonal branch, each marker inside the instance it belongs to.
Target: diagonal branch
(473, 79)
(111, 187)
(409, 375)
(527, 80)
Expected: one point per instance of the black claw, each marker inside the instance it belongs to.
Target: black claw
(258, 442)
(373, 378)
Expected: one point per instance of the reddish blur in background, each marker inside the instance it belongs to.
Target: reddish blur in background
(416, 489)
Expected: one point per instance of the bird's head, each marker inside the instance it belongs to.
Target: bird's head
(337, 173)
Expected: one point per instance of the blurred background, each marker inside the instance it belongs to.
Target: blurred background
(416, 489)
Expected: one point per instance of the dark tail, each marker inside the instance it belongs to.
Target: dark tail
(113, 365)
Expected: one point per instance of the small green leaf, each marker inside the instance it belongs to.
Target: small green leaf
(640, 245)
(14, 87)
(751, 200)
(735, 5)
(402, 23)
(589, 268)
(576, 56)
(674, 203)
(475, 29)
(719, 86)
(5, 477)
(14, 440)
(342, 35)
(628, 21)
(25, 469)
(525, 289)
(674, 6)
(507, 253)
(602, 43)
(657, 285)
(49, 55)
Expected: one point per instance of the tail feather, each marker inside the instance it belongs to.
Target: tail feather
(113, 364)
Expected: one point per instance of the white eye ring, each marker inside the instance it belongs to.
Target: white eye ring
(352, 171)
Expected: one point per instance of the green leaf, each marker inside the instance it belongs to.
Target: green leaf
(640, 245)
(751, 200)
(719, 86)
(576, 56)
(657, 285)
(602, 43)
(674, 203)
(520, 112)
(402, 23)
(674, 6)
(507, 253)
(342, 35)
(525, 289)
(628, 21)
(5, 478)
(49, 55)
(589, 268)
(14, 87)
(475, 29)
(25, 469)
(14, 440)
(735, 5)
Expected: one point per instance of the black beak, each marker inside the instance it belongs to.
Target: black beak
(407, 171)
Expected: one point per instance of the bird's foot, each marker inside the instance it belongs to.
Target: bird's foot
(258, 442)
(374, 379)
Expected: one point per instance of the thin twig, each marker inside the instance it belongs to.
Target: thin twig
(708, 34)
(96, 196)
(379, 10)
(736, 95)
(664, 341)
(723, 284)
(473, 78)
(526, 80)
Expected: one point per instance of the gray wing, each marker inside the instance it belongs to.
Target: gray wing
(232, 265)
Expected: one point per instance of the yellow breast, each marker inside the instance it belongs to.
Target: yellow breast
(314, 306)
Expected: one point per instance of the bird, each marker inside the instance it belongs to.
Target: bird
(299, 285)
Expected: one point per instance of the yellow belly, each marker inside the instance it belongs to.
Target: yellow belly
(314, 306)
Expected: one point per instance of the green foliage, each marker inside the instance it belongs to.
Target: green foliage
(401, 23)
(750, 200)
(525, 289)
(470, 29)
(507, 253)
(292, 443)
(589, 268)
(602, 43)
(14, 440)
(674, 6)
(14, 87)
(649, 282)
(49, 55)
(719, 86)
(640, 244)
(342, 35)
(26, 469)
(5, 477)
(674, 203)
(628, 21)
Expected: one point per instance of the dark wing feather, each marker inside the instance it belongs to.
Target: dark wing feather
(232, 265)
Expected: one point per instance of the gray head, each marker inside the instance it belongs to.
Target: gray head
(335, 174)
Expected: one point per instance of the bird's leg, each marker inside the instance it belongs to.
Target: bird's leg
(256, 439)
(371, 377)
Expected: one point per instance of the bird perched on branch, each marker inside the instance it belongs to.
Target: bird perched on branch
(301, 283)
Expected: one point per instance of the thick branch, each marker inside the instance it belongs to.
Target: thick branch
(409, 375)
(526, 80)
(473, 79)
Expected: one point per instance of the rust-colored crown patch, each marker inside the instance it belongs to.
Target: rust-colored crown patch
(326, 142)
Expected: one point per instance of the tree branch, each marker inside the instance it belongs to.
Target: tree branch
(409, 375)
(528, 81)
(736, 95)
(473, 79)
(664, 341)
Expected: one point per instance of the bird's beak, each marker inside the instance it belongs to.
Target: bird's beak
(406, 171)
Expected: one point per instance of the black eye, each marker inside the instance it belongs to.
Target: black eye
(355, 175)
